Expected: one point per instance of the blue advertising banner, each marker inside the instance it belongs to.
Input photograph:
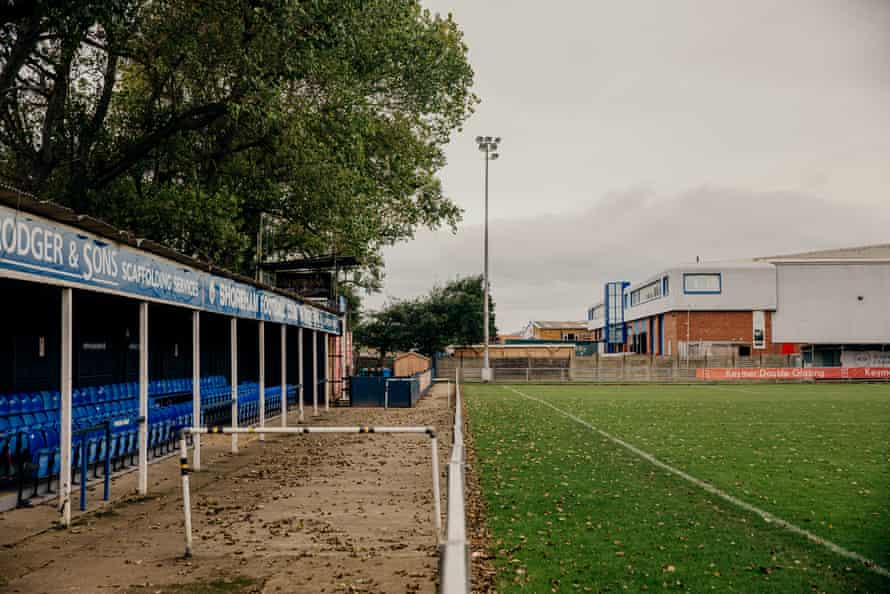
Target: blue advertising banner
(38, 249)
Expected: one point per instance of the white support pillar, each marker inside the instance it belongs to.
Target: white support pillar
(233, 325)
(343, 358)
(284, 375)
(65, 454)
(325, 365)
(196, 387)
(262, 376)
(143, 397)
(315, 373)
(300, 362)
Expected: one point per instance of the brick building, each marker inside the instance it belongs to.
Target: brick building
(822, 304)
(557, 331)
(704, 309)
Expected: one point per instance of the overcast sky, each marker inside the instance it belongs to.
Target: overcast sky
(639, 134)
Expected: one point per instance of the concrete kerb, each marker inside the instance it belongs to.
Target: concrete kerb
(454, 552)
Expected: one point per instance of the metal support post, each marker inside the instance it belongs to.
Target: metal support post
(143, 397)
(65, 457)
(284, 375)
(325, 365)
(262, 376)
(300, 364)
(196, 387)
(315, 373)
(233, 339)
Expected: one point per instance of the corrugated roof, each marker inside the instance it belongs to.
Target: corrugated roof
(865, 252)
(557, 325)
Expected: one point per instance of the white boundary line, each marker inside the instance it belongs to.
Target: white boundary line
(765, 515)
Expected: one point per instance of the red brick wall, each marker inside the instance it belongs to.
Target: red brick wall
(718, 326)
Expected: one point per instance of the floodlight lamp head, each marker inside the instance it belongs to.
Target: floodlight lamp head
(497, 140)
(478, 140)
(494, 156)
(488, 139)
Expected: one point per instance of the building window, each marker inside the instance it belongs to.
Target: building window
(759, 330)
(645, 293)
(702, 283)
(665, 287)
(568, 336)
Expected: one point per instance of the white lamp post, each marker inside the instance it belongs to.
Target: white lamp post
(489, 147)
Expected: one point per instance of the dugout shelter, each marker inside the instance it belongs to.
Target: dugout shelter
(103, 328)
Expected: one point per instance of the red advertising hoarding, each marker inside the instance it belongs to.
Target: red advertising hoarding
(793, 373)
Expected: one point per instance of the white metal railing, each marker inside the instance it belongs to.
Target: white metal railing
(454, 551)
(185, 469)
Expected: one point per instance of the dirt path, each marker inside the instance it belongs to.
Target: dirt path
(316, 513)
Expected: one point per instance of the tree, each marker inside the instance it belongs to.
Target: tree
(447, 315)
(185, 121)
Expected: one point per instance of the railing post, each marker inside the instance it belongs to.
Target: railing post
(107, 488)
(186, 495)
(437, 503)
(84, 450)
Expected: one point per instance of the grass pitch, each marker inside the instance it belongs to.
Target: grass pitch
(571, 510)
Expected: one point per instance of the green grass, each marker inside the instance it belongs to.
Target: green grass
(570, 510)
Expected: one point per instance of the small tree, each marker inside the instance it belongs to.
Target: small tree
(447, 315)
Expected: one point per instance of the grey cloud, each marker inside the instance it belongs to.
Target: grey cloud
(553, 266)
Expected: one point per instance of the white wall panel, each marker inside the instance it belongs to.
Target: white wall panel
(833, 303)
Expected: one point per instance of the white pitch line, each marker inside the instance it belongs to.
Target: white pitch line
(765, 515)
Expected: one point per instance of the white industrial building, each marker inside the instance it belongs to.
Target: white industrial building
(831, 306)
(837, 304)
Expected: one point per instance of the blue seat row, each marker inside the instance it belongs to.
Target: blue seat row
(30, 430)
(24, 402)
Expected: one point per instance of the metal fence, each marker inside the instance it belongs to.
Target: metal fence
(626, 375)
(568, 375)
